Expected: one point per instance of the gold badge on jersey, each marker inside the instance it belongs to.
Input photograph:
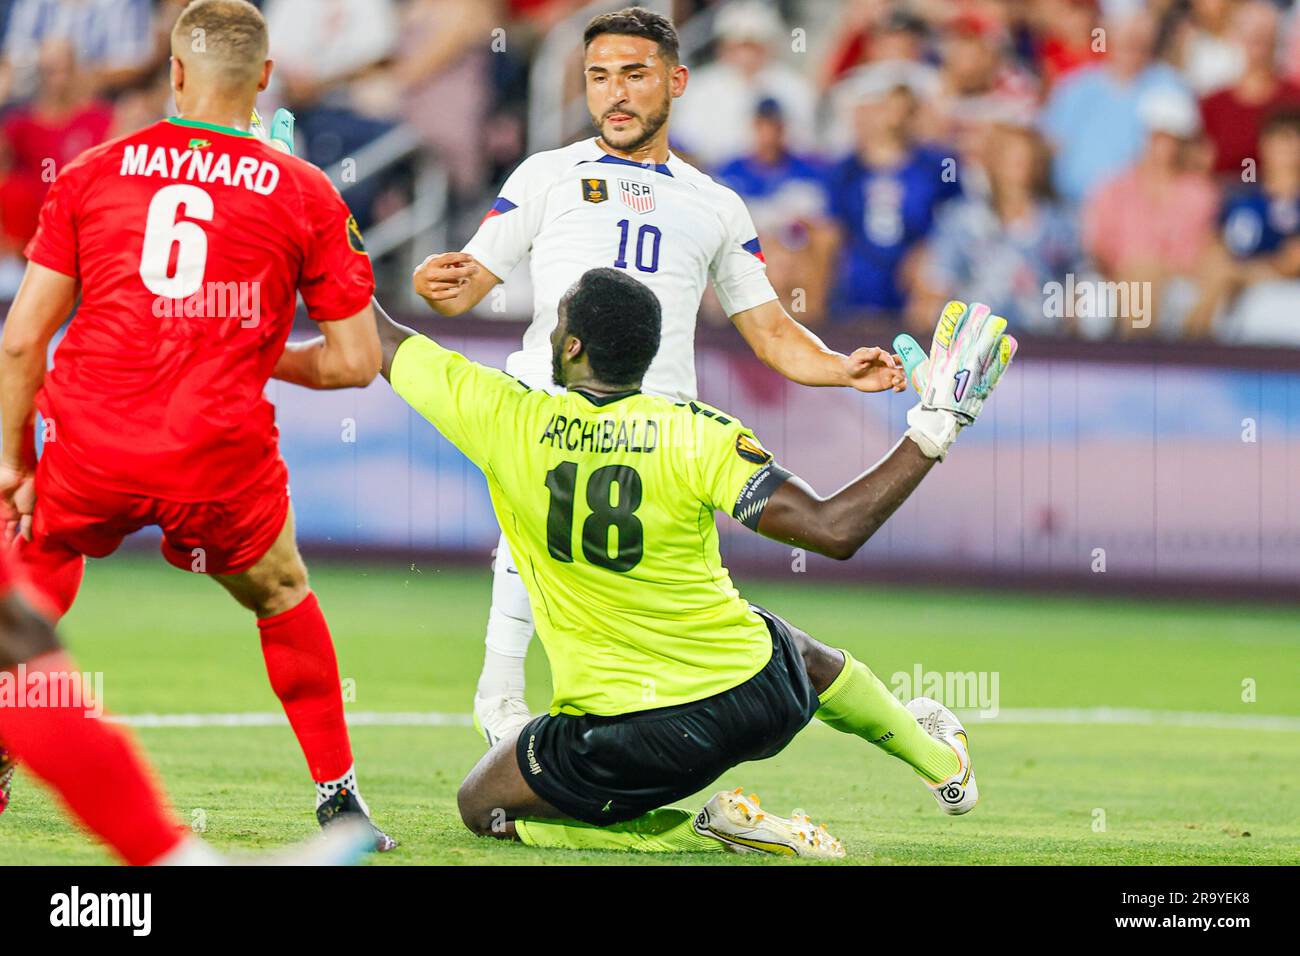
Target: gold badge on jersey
(749, 449)
(594, 190)
(355, 242)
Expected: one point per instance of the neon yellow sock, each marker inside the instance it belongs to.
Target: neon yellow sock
(858, 703)
(666, 830)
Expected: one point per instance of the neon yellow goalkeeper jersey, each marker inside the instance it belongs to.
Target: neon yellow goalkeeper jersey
(608, 507)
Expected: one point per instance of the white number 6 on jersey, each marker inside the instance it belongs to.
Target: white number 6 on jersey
(162, 229)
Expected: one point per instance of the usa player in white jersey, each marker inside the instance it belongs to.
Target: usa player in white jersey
(623, 199)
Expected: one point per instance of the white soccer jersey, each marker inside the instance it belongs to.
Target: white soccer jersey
(670, 226)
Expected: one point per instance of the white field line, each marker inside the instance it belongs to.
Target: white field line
(1079, 716)
(362, 718)
(1129, 715)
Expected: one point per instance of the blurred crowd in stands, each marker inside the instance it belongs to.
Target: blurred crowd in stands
(1125, 168)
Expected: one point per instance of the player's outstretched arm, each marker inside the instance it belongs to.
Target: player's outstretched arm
(44, 300)
(967, 360)
(345, 356)
(837, 526)
(452, 283)
(790, 348)
(391, 337)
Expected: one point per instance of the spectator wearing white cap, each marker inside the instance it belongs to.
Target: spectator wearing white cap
(715, 123)
(1092, 117)
(1152, 223)
(871, 83)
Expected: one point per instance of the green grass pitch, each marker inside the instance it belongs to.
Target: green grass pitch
(410, 640)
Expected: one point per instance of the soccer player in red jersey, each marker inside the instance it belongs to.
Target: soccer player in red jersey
(188, 243)
(94, 767)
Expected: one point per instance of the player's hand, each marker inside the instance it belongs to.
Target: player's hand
(874, 370)
(17, 501)
(443, 275)
(967, 359)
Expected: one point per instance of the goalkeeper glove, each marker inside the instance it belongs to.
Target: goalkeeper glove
(967, 359)
(280, 134)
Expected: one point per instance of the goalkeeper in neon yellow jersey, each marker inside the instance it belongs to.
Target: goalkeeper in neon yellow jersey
(664, 676)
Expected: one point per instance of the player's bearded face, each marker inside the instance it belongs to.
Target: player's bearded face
(557, 346)
(557, 362)
(630, 135)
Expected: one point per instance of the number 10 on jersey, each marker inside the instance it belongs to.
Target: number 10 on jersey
(647, 247)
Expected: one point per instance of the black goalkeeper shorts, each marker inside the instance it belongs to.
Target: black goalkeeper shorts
(604, 770)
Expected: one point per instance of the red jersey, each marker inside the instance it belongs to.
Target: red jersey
(6, 572)
(191, 243)
(1234, 127)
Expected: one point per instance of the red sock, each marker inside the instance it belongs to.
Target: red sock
(305, 676)
(51, 576)
(94, 767)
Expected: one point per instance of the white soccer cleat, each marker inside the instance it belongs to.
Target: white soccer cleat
(957, 794)
(344, 843)
(500, 718)
(743, 826)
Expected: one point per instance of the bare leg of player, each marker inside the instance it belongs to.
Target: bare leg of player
(499, 708)
(304, 673)
(495, 795)
(495, 800)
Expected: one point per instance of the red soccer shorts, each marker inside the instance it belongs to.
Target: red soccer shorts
(226, 536)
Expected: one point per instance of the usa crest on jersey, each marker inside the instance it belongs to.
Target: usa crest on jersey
(639, 197)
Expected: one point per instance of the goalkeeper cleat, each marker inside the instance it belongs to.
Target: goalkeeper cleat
(500, 718)
(7, 765)
(737, 821)
(345, 807)
(957, 794)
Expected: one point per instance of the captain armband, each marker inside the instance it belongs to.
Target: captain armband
(758, 490)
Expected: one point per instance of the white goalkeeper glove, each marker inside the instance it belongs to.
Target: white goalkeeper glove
(280, 134)
(967, 359)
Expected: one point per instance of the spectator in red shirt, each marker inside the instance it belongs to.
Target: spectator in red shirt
(1233, 116)
(869, 32)
(1152, 223)
(980, 81)
(1066, 39)
(42, 137)
(1258, 247)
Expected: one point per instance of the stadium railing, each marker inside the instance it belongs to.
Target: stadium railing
(418, 227)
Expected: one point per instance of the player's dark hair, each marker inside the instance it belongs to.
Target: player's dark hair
(635, 22)
(617, 319)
